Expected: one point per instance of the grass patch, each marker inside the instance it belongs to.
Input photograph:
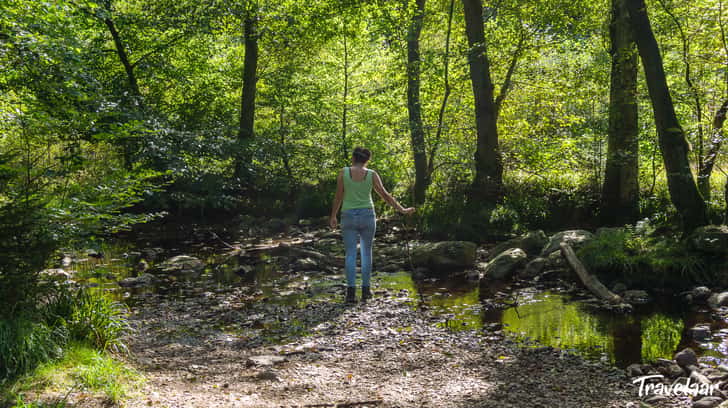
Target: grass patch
(82, 369)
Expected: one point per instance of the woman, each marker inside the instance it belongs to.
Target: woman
(354, 190)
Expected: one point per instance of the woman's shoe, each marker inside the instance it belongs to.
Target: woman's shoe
(366, 293)
(350, 295)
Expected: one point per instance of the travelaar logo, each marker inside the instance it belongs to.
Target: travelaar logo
(677, 388)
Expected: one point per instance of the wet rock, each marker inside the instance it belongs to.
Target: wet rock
(575, 238)
(265, 360)
(445, 255)
(555, 260)
(686, 357)
(180, 265)
(533, 268)
(55, 274)
(707, 402)
(636, 297)
(92, 253)
(619, 288)
(699, 377)
(723, 367)
(503, 265)
(531, 243)
(717, 300)
(712, 239)
(669, 368)
(143, 280)
(700, 332)
(634, 370)
(151, 254)
(700, 293)
(305, 264)
(715, 374)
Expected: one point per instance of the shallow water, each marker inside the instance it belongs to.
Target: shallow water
(549, 318)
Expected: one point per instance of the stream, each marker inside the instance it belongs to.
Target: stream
(558, 317)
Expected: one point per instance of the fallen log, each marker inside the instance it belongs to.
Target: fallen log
(590, 281)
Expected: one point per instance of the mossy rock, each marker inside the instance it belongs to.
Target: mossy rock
(445, 255)
(712, 239)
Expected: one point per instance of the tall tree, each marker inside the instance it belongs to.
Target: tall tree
(247, 99)
(620, 193)
(681, 184)
(414, 105)
(346, 154)
(488, 182)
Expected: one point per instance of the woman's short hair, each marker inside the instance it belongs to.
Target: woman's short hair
(361, 155)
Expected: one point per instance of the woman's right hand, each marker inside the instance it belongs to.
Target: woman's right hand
(408, 210)
(333, 222)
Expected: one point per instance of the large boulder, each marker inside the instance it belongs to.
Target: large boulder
(531, 243)
(533, 268)
(445, 255)
(575, 238)
(180, 265)
(717, 300)
(507, 262)
(712, 239)
(686, 358)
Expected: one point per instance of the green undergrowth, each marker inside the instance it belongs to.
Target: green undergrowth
(67, 334)
(639, 257)
(81, 369)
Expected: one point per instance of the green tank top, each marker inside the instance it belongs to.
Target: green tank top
(357, 194)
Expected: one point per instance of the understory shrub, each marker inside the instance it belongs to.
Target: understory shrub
(640, 256)
(66, 314)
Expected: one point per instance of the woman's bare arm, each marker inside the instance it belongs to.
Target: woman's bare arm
(338, 198)
(379, 188)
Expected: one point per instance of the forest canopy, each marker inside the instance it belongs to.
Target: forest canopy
(501, 114)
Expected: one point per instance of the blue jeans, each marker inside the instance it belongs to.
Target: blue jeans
(358, 224)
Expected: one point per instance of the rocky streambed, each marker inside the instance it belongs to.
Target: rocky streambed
(256, 318)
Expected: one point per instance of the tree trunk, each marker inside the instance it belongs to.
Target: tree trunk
(620, 192)
(591, 282)
(716, 140)
(508, 80)
(488, 182)
(414, 106)
(346, 154)
(683, 190)
(445, 96)
(247, 99)
(123, 56)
